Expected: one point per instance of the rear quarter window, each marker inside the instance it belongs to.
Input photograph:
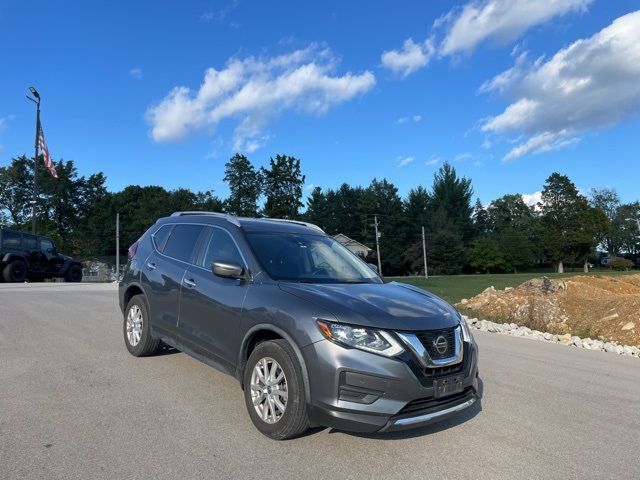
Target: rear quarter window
(160, 237)
(11, 239)
(182, 242)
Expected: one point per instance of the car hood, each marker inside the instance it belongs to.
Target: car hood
(392, 305)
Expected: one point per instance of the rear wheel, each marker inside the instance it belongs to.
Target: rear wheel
(274, 391)
(74, 274)
(137, 335)
(15, 271)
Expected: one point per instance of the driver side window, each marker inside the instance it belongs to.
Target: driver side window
(220, 248)
(46, 245)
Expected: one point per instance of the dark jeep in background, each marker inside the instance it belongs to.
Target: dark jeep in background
(32, 257)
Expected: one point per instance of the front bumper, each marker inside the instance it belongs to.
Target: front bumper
(359, 391)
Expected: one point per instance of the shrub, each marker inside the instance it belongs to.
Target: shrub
(621, 264)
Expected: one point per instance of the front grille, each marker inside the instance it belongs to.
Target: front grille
(428, 339)
(438, 372)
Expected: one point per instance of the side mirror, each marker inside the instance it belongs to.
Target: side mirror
(227, 270)
(373, 267)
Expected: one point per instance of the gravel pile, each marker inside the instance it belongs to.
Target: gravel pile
(566, 339)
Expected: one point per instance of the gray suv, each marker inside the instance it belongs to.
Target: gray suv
(313, 334)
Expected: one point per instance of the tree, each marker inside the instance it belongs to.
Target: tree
(512, 225)
(571, 228)
(510, 211)
(452, 196)
(446, 253)
(625, 232)
(283, 187)
(486, 255)
(245, 186)
(381, 199)
(607, 200)
(16, 187)
(417, 207)
(515, 248)
(481, 222)
(449, 219)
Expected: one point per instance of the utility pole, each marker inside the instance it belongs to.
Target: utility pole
(118, 247)
(424, 255)
(375, 224)
(35, 100)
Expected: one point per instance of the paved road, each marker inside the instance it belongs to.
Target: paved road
(75, 404)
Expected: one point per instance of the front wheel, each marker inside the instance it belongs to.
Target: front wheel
(137, 335)
(274, 391)
(74, 274)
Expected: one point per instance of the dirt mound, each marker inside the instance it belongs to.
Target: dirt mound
(588, 306)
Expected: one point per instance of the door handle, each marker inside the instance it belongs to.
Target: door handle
(151, 266)
(189, 283)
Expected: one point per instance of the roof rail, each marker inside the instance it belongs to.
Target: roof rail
(295, 222)
(229, 218)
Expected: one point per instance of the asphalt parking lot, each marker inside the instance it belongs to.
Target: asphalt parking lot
(75, 404)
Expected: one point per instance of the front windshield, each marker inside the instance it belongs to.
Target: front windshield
(309, 258)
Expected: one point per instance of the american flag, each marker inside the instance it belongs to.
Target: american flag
(45, 154)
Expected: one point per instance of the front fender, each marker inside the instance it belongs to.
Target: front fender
(241, 364)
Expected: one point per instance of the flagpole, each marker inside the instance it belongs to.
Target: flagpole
(35, 100)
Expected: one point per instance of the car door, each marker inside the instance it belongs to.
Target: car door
(163, 272)
(33, 253)
(50, 260)
(212, 305)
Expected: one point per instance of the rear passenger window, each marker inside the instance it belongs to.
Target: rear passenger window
(182, 241)
(221, 248)
(10, 239)
(161, 236)
(29, 243)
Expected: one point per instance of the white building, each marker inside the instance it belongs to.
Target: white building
(356, 247)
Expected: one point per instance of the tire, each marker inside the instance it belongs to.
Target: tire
(15, 272)
(294, 420)
(146, 344)
(74, 274)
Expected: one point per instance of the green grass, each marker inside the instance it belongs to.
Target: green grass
(454, 288)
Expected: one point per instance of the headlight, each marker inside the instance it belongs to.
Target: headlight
(375, 341)
(466, 333)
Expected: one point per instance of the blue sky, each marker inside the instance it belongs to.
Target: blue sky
(356, 90)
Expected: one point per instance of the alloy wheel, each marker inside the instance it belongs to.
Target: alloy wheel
(134, 325)
(269, 391)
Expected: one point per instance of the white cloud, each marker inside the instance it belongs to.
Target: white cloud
(543, 142)
(411, 57)
(219, 15)
(463, 156)
(310, 187)
(532, 199)
(254, 91)
(433, 160)
(463, 29)
(404, 161)
(136, 73)
(413, 118)
(500, 21)
(590, 84)
(4, 122)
